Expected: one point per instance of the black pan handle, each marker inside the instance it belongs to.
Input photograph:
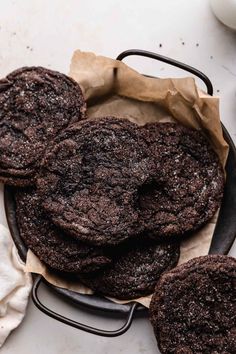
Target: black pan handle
(173, 62)
(75, 324)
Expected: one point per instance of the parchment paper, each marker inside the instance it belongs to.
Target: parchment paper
(112, 88)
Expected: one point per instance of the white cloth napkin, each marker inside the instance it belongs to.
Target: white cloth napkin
(15, 286)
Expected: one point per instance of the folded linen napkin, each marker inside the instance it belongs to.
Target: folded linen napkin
(15, 286)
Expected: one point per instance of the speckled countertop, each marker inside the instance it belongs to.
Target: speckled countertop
(42, 32)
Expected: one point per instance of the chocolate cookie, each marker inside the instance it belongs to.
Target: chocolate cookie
(187, 187)
(90, 178)
(193, 309)
(50, 244)
(35, 105)
(135, 269)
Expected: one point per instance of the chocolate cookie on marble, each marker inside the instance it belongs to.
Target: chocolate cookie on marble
(135, 270)
(193, 309)
(35, 105)
(50, 244)
(89, 180)
(187, 187)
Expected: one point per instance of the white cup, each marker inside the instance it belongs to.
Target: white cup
(225, 11)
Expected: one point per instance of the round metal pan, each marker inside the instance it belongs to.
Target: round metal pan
(223, 237)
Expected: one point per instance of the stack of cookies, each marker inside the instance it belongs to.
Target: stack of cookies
(104, 200)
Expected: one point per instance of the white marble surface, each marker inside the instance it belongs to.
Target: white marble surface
(42, 32)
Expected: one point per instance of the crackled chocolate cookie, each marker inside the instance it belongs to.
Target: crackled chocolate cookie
(135, 270)
(50, 244)
(35, 105)
(193, 309)
(187, 187)
(90, 178)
